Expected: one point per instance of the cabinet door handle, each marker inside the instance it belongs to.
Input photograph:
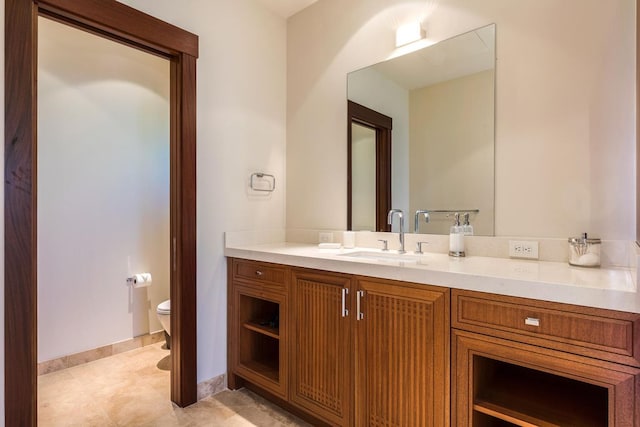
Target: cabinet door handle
(259, 273)
(345, 292)
(360, 314)
(532, 321)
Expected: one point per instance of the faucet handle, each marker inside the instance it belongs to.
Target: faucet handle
(419, 247)
(384, 244)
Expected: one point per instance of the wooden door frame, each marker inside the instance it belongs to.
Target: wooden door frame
(383, 126)
(116, 21)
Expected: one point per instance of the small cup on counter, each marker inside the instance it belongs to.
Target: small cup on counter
(584, 251)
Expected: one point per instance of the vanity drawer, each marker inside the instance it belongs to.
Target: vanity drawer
(603, 334)
(271, 275)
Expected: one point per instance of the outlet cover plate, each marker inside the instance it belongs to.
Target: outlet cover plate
(527, 249)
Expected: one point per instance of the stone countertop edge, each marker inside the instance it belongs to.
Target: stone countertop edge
(612, 288)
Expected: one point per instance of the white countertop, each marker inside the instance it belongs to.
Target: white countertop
(613, 289)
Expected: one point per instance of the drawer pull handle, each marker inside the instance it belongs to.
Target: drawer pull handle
(259, 273)
(345, 292)
(532, 321)
(359, 314)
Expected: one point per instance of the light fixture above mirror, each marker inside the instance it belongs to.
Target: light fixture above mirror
(409, 33)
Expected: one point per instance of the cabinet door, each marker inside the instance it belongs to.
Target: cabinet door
(502, 382)
(402, 354)
(320, 345)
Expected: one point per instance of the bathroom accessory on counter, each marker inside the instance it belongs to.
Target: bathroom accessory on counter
(140, 280)
(260, 181)
(467, 228)
(348, 239)
(584, 251)
(456, 237)
(385, 246)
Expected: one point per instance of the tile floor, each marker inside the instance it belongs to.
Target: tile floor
(132, 389)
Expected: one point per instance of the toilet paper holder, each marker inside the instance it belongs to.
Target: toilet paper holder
(139, 280)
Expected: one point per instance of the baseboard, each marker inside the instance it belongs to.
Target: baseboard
(212, 386)
(98, 353)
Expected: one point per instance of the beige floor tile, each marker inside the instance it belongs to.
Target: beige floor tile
(132, 389)
(177, 418)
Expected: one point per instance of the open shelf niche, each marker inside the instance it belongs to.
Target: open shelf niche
(506, 394)
(260, 336)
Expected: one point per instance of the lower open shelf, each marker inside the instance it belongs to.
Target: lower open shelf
(268, 370)
(258, 337)
(527, 397)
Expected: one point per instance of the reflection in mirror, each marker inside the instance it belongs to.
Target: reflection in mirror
(441, 101)
(363, 177)
(369, 168)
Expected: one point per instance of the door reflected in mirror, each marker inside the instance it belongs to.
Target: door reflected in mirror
(441, 101)
(363, 177)
(369, 168)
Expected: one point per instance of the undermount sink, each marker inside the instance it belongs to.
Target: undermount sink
(383, 256)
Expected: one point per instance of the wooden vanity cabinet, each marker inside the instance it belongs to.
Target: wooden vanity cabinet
(321, 367)
(401, 354)
(350, 350)
(525, 362)
(257, 326)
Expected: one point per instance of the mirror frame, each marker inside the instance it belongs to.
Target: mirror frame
(383, 126)
(123, 24)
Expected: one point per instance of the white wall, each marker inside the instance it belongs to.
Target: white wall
(565, 105)
(241, 129)
(103, 189)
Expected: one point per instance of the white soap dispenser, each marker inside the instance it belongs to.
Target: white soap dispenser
(467, 228)
(456, 238)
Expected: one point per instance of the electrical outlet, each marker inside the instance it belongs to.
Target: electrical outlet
(523, 249)
(325, 237)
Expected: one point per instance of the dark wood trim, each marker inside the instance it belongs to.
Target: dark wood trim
(122, 23)
(383, 126)
(183, 231)
(20, 221)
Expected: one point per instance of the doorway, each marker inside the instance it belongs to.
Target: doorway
(124, 24)
(103, 195)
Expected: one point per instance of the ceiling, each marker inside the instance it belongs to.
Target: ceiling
(286, 8)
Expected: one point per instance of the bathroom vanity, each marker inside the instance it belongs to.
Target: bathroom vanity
(350, 340)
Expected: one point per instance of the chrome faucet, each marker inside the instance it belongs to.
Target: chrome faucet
(392, 212)
(427, 218)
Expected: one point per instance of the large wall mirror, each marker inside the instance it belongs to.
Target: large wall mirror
(440, 100)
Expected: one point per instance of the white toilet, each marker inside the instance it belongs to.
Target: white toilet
(164, 316)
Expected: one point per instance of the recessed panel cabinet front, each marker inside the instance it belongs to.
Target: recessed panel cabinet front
(402, 354)
(320, 345)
